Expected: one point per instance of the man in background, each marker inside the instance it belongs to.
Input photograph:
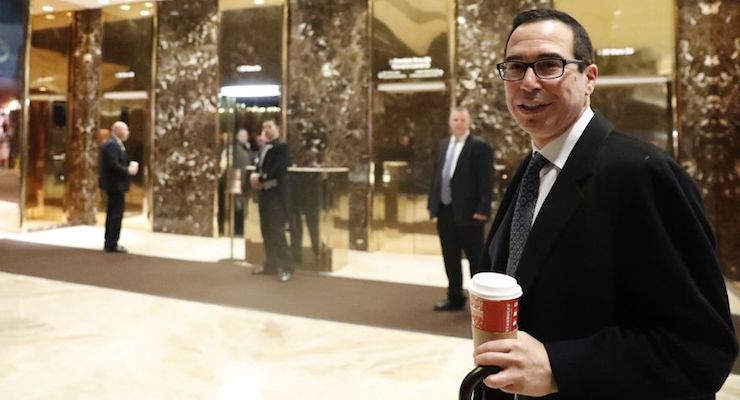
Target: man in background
(273, 199)
(460, 199)
(242, 159)
(115, 171)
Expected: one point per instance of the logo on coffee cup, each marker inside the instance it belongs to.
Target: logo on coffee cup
(494, 316)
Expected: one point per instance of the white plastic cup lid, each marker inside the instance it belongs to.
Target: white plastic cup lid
(494, 286)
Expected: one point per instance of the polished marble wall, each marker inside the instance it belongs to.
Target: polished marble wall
(83, 145)
(328, 110)
(709, 117)
(327, 106)
(482, 29)
(184, 157)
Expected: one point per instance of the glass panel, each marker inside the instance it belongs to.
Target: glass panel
(48, 119)
(251, 70)
(634, 43)
(411, 101)
(126, 84)
(630, 37)
(643, 110)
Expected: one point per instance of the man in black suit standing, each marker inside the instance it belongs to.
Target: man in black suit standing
(115, 171)
(273, 199)
(460, 199)
(623, 296)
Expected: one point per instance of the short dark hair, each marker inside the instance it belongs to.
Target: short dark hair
(271, 119)
(582, 48)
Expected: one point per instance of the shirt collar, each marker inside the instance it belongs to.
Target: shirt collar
(558, 150)
(120, 143)
(464, 137)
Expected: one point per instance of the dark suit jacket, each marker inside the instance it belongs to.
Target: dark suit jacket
(619, 275)
(114, 175)
(470, 184)
(273, 172)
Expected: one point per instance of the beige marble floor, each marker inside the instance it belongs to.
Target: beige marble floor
(68, 341)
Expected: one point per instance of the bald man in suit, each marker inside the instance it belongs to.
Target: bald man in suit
(115, 171)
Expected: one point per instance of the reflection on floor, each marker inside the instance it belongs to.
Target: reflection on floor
(61, 340)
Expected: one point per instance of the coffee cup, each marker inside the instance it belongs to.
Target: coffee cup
(135, 165)
(494, 306)
(494, 312)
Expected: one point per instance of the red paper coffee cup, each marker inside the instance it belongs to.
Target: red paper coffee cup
(494, 306)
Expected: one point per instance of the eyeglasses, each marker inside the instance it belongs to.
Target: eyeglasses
(547, 68)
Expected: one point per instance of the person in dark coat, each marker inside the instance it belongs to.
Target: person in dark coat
(607, 236)
(115, 171)
(460, 200)
(273, 199)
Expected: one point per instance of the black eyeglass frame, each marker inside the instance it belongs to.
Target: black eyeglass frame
(527, 65)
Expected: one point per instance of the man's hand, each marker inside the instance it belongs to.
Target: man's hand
(480, 217)
(525, 366)
(254, 181)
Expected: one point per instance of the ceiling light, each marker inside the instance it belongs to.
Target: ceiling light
(49, 16)
(103, 1)
(125, 7)
(125, 75)
(249, 68)
(126, 95)
(148, 4)
(145, 13)
(47, 8)
(625, 51)
(244, 91)
(259, 1)
(435, 86)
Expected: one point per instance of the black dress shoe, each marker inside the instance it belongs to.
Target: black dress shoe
(263, 271)
(285, 276)
(117, 249)
(450, 305)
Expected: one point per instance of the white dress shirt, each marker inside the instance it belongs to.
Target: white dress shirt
(458, 143)
(557, 153)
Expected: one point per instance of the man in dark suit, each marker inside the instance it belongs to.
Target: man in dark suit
(115, 170)
(273, 199)
(460, 199)
(242, 159)
(623, 297)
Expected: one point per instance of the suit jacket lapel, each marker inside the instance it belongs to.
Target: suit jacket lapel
(564, 198)
(498, 240)
(498, 250)
(441, 156)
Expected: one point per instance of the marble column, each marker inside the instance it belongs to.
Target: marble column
(83, 147)
(328, 109)
(708, 66)
(482, 29)
(184, 157)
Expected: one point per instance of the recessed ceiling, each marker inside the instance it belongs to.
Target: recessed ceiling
(73, 5)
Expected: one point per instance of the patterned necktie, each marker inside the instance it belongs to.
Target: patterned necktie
(521, 223)
(446, 194)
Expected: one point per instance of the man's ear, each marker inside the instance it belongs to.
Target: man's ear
(591, 73)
